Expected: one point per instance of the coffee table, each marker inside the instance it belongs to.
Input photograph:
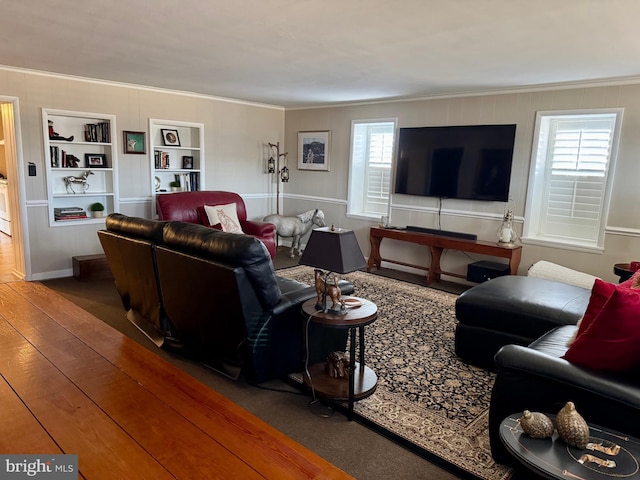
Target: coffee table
(362, 380)
(552, 458)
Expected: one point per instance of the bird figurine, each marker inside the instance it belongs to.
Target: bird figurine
(536, 424)
(572, 428)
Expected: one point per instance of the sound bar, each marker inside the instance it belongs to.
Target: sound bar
(444, 233)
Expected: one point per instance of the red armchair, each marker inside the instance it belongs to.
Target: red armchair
(189, 207)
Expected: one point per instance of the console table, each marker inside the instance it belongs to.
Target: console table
(437, 244)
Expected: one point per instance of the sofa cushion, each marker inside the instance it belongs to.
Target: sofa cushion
(553, 271)
(224, 215)
(524, 306)
(612, 339)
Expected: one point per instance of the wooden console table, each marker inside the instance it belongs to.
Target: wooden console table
(437, 244)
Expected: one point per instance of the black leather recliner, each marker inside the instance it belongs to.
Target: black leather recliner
(221, 300)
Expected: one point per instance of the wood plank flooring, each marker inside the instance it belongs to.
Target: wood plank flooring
(72, 384)
(6, 259)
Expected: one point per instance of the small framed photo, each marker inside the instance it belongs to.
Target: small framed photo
(170, 137)
(187, 163)
(314, 150)
(95, 160)
(134, 142)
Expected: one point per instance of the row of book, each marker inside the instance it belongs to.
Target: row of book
(97, 132)
(69, 213)
(162, 161)
(189, 182)
(60, 158)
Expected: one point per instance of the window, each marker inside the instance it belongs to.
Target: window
(570, 180)
(370, 167)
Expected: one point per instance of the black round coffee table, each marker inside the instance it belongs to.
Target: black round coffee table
(609, 454)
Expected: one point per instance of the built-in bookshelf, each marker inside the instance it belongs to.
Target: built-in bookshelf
(81, 165)
(177, 157)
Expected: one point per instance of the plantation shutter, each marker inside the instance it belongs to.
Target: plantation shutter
(378, 171)
(580, 151)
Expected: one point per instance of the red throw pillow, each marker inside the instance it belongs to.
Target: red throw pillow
(633, 282)
(612, 340)
(600, 293)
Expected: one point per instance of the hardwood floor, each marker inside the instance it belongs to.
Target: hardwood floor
(6, 259)
(72, 384)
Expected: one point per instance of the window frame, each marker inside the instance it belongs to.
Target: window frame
(358, 173)
(540, 178)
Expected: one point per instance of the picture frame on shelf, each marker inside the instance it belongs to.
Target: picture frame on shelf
(95, 160)
(170, 137)
(135, 142)
(187, 162)
(314, 149)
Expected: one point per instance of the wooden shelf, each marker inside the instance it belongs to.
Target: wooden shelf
(365, 382)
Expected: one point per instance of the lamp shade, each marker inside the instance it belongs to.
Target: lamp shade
(335, 250)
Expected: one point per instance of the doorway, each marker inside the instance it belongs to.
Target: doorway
(12, 258)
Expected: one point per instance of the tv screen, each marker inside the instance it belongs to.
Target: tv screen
(467, 162)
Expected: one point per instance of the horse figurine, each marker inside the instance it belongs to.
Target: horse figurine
(296, 227)
(330, 290)
(81, 180)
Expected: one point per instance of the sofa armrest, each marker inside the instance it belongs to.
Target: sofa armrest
(531, 362)
(534, 378)
(258, 229)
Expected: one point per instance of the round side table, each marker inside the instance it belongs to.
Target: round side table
(622, 270)
(362, 380)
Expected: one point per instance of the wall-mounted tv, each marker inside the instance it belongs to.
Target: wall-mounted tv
(471, 162)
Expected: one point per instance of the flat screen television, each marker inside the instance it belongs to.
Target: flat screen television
(471, 162)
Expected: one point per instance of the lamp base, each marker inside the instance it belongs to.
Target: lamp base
(331, 311)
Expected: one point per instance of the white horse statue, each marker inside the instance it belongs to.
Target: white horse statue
(296, 227)
(80, 180)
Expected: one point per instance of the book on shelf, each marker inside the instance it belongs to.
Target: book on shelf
(71, 216)
(188, 181)
(97, 132)
(161, 159)
(67, 209)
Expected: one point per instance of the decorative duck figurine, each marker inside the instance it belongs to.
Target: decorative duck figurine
(572, 428)
(536, 424)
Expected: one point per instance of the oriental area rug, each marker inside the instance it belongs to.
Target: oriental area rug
(426, 398)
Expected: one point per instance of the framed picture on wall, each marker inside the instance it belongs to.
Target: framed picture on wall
(134, 142)
(314, 148)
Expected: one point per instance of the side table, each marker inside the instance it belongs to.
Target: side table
(623, 271)
(609, 454)
(362, 380)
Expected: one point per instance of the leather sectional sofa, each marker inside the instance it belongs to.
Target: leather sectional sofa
(189, 207)
(520, 326)
(213, 296)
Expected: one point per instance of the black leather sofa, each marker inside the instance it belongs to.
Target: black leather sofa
(519, 326)
(213, 296)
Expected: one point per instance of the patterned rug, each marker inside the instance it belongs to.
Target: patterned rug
(426, 398)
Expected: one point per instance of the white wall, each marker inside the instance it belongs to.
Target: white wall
(328, 190)
(236, 137)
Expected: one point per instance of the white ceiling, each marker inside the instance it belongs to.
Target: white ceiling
(297, 53)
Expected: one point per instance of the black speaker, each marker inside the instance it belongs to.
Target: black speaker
(479, 272)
